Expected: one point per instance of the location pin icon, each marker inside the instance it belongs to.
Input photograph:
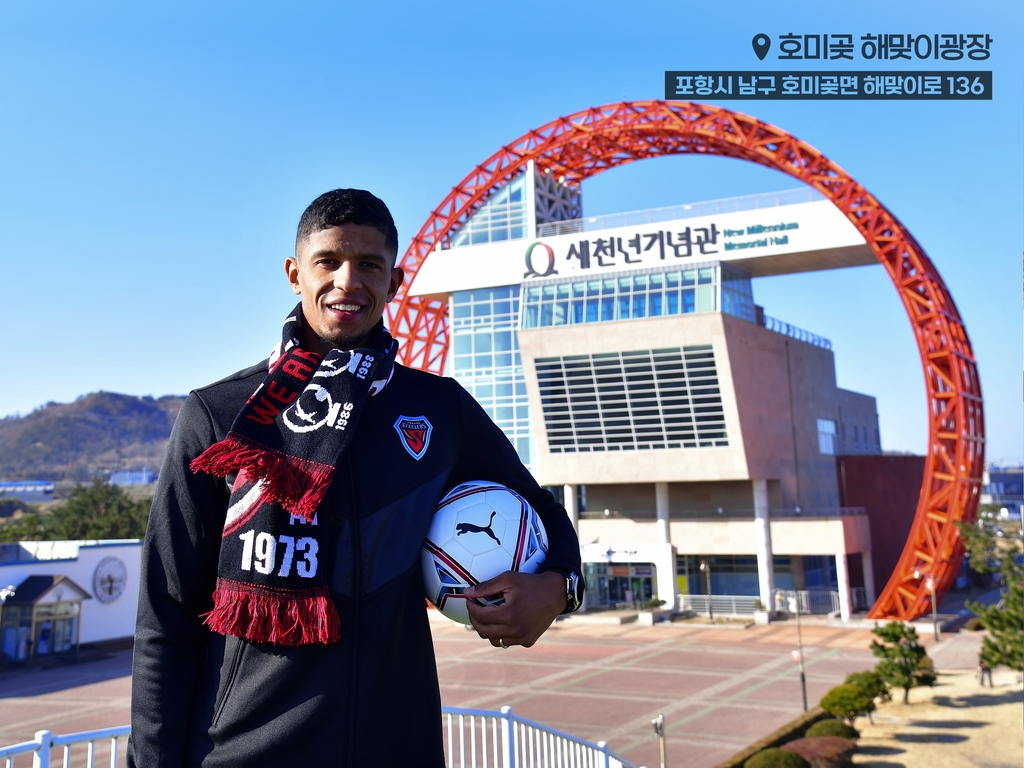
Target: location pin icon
(762, 43)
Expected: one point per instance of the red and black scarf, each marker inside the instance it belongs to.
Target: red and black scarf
(284, 445)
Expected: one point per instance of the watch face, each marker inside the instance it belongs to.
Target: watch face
(109, 579)
(572, 591)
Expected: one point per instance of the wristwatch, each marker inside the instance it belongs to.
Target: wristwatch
(573, 592)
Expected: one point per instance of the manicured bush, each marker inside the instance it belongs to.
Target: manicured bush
(651, 605)
(832, 728)
(847, 702)
(776, 758)
(871, 683)
(974, 624)
(823, 751)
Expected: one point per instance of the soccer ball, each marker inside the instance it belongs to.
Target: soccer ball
(480, 530)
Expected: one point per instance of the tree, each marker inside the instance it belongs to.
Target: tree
(871, 683)
(901, 657)
(28, 527)
(847, 702)
(98, 511)
(1005, 620)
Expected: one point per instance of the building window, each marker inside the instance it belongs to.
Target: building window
(730, 574)
(828, 442)
(485, 360)
(502, 217)
(647, 294)
(621, 401)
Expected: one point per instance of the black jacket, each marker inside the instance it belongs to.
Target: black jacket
(371, 699)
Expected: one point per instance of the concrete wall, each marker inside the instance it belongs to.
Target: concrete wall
(701, 499)
(783, 386)
(633, 499)
(773, 390)
(790, 536)
(78, 560)
(888, 487)
(858, 424)
(721, 463)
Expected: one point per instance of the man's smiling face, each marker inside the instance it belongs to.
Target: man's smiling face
(345, 277)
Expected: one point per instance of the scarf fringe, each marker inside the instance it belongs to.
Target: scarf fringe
(297, 485)
(281, 616)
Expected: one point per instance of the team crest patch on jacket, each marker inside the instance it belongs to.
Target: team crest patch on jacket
(414, 432)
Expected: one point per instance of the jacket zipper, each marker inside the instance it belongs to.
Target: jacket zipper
(236, 662)
(357, 590)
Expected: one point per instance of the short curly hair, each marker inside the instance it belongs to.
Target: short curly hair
(348, 206)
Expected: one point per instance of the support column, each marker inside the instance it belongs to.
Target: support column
(661, 507)
(531, 200)
(763, 543)
(869, 578)
(843, 579)
(665, 565)
(569, 494)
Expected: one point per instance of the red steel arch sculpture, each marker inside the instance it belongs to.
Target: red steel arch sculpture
(585, 143)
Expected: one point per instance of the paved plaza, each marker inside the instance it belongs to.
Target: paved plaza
(719, 689)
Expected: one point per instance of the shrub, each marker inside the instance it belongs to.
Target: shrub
(776, 758)
(974, 624)
(871, 683)
(10, 505)
(822, 751)
(759, 606)
(847, 702)
(650, 605)
(832, 728)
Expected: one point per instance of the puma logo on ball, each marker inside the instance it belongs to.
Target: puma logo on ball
(462, 528)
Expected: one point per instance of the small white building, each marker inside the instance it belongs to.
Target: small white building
(81, 592)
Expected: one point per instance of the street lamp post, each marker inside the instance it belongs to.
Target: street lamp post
(794, 605)
(930, 584)
(706, 568)
(659, 728)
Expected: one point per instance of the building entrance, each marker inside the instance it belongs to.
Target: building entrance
(616, 584)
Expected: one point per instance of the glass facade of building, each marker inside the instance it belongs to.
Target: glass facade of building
(486, 362)
(502, 217)
(730, 574)
(711, 287)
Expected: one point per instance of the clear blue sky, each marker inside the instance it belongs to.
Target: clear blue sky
(154, 160)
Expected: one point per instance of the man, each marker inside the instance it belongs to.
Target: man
(290, 521)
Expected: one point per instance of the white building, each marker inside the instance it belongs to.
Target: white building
(686, 432)
(57, 594)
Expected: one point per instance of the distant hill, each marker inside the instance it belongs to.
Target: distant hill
(96, 434)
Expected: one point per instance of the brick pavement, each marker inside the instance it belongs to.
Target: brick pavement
(718, 689)
(959, 651)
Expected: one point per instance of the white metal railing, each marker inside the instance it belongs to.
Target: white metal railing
(724, 605)
(45, 741)
(478, 738)
(685, 211)
(810, 601)
(473, 738)
(818, 512)
(858, 599)
(786, 329)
